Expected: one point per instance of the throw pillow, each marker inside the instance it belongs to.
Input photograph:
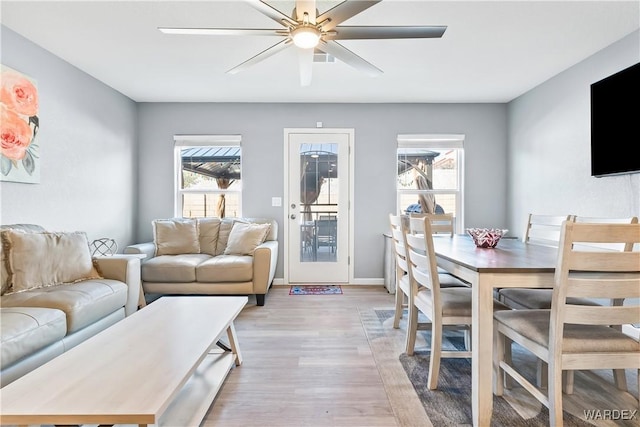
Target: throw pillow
(176, 236)
(245, 237)
(41, 259)
(4, 275)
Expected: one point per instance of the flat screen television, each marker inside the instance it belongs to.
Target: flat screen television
(615, 123)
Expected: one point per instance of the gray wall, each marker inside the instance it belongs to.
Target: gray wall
(549, 145)
(87, 150)
(376, 128)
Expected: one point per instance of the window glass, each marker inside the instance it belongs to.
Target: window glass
(210, 181)
(429, 176)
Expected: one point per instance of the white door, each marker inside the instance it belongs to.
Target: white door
(318, 205)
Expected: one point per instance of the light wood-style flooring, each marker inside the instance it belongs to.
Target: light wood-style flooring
(308, 362)
(314, 361)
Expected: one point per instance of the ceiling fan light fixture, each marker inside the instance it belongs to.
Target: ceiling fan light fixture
(305, 37)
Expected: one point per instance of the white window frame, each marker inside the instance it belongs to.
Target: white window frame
(194, 141)
(439, 142)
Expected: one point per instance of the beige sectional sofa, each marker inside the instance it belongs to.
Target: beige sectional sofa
(210, 256)
(55, 296)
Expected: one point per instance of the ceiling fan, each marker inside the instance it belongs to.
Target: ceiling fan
(309, 30)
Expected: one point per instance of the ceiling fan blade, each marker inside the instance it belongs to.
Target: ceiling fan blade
(308, 6)
(344, 11)
(261, 56)
(345, 55)
(271, 12)
(305, 59)
(222, 31)
(386, 32)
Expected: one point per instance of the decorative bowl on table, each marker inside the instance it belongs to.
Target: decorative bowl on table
(486, 237)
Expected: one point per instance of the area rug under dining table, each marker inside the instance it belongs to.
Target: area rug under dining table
(450, 404)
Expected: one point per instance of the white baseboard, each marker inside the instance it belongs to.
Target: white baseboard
(368, 282)
(360, 282)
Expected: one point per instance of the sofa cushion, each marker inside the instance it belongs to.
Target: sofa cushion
(208, 229)
(176, 236)
(4, 282)
(39, 259)
(172, 268)
(25, 330)
(226, 268)
(245, 237)
(83, 302)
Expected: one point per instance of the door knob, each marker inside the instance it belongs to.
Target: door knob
(293, 216)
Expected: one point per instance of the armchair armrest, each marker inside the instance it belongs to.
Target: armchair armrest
(147, 248)
(125, 268)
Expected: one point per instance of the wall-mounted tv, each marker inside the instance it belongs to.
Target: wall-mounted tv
(615, 123)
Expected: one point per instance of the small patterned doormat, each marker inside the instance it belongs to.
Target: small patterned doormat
(315, 290)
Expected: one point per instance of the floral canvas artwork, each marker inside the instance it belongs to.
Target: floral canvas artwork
(19, 125)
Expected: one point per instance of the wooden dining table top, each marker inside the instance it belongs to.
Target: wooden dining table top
(509, 256)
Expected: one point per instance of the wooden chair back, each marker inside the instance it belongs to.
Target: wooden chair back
(399, 246)
(544, 229)
(603, 220)
(423, 266)
(582, 272)
(440, 223)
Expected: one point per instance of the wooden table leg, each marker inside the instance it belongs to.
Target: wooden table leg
(233, 342)
(482, 351)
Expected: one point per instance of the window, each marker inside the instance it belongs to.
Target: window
(208, 176)
(430, 174)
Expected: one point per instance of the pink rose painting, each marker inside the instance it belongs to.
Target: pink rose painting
(19, 125)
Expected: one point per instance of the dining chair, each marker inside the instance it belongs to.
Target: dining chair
(572, 336)
(398, 223)
(444, 307)
(523, 298)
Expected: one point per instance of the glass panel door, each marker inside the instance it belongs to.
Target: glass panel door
(318, 207)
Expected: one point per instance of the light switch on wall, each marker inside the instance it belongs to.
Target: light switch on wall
(276, 201)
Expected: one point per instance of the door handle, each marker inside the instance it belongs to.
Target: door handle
(293, 216)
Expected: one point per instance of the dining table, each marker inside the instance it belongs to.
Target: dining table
(511, 264)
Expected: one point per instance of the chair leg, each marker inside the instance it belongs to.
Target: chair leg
(567, 378)
(567, 382)
(542, 373)
(555, 395)
(412, 329)
(467, 339)
(435, 354)
(508, 381)
(399, 307)
(499, 355)
(620, 379)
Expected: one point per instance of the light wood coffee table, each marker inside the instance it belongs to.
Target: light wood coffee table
(161, 366)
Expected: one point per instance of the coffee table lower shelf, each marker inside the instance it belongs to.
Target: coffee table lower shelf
(194, 400)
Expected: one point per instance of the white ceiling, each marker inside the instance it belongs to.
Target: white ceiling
(492, 51)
